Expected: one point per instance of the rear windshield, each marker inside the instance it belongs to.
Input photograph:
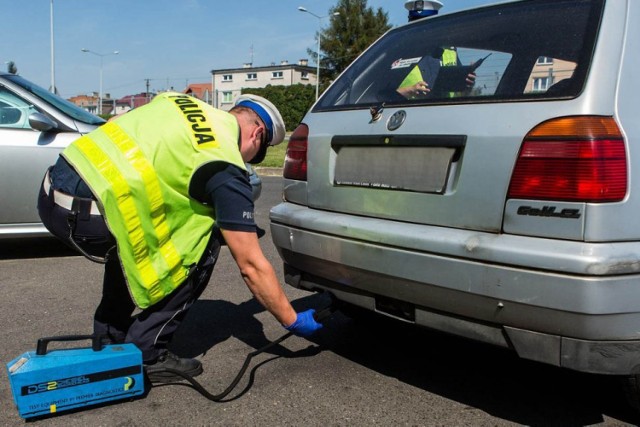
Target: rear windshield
(538, 49)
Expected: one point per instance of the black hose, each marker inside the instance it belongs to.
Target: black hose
(218, 397)
(71, 221)
(319, 316)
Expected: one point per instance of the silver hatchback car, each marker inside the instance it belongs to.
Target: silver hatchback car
(502, 210)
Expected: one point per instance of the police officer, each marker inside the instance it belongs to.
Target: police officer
(155, 193)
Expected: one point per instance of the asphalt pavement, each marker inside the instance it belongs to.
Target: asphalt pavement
(352, 373)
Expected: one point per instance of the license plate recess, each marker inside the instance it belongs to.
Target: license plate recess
(418, 164)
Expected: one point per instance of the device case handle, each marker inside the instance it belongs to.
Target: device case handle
(96, 342)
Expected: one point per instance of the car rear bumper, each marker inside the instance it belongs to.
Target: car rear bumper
(574, 305)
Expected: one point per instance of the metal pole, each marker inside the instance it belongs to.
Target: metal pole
(303, 9)
(213, 91)
(318, 61)
(53, 72)
(100, 94)
(101, 55)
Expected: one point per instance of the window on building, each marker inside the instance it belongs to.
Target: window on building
(227, 77)
(252, 76)
(544, 75)
(276, 75)
(540, 84)
(227, 97)
(304, 75)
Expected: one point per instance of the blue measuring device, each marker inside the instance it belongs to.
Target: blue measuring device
(48, 382)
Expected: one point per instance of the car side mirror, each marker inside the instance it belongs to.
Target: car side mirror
(40, 122)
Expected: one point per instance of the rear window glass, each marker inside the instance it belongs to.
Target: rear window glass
(515, 51)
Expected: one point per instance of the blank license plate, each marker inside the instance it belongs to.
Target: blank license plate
(420, 169)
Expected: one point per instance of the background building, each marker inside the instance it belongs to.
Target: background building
(90, 103)
(201, 91)
(227, 84)
(547, 72)
(225, 87)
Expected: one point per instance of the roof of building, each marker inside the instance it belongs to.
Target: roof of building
(250, 67)
(198, 89)
(135, 100)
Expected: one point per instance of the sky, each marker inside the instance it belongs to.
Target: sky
(172, 43)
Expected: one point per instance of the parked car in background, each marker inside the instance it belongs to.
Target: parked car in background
(505, 212)
(35, 126)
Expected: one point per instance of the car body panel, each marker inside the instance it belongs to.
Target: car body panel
(35, 154)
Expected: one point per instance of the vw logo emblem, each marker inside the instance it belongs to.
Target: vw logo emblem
(396, 120)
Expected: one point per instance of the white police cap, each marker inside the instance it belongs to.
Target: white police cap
(268, 113)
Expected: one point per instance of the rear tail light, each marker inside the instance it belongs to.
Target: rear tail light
(581, 159)
(295, 161)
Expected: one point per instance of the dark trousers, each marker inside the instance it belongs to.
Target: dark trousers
(90, 231)
(152, 328)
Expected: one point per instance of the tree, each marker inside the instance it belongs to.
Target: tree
(292, 101)
(348, 35)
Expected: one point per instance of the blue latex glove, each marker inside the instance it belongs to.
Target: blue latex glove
(305, 325)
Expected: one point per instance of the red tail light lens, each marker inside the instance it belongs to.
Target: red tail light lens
(295, 162)
(581, 159)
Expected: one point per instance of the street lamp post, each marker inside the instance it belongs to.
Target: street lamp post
(53, 68)
(303, 9)
(101, 55)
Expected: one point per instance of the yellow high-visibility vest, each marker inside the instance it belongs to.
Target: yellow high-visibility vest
(139, 167)
(449, 58)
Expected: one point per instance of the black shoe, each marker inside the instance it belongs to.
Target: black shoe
(157, 372)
